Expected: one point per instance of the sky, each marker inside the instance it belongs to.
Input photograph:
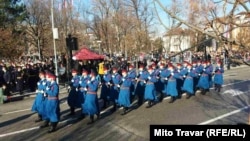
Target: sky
(159, 28)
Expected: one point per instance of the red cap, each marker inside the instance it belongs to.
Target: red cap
(131, 66)
(114, 69)
(185, 62)
(194, 62)
(161, 64)
(170, 66)
(52, 76)
(124, 71)
(189, 64)
(105, 69)
(219, 62)
(84, 71)
(179, 65)
(153, 65)
(150, 68)
(74, 71)
(204, 62)
(141, 66)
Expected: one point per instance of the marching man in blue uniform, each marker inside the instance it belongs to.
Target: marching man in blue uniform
(162, 83)
(52, 107)
(189, 81)
(159, 86)
(91, 105)
(73, 98)
(132, 76)
(150, 91)
(124, 94)
(114, 89)
(203, 83)
(218, 77)
(39, 102)
(82, 93)
(140, 85)
(105, 89)
(172, 85)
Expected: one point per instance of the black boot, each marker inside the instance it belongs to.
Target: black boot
(98, 115)
(124, 110)
(82, 116)
(114, 107)
(203, 91)
(39, 118)
(52, 127)
(45, 124)
(91, 119)
(188, 96)
(149, 104)
(172, 99)
(215, 87)
(219, 87)
(72, 111)
(161, 96)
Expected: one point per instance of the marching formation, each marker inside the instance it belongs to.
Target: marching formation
(120, 88)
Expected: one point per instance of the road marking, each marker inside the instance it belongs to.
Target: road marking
(17, 132)
(225, 115)
(16, 111)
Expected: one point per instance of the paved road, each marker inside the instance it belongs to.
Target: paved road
(231, 106)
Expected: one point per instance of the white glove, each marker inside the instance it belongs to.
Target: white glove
(149, 77)
(85, 89)
(88, 82)
(44, 94)
(47, 88)
(204, 69)
(44, 83)
(80, 81)
(199, 74)
(140, 72)
(219, 68)
(76, 89)
(41, 91)
(123, 79)
(172, 73)
(38, 83)
(184, 76)
(160, 71)
(165, 78)
(72, 80)
(113, 76)
(37, 91)
(108, 83)
(118, 86)
(68, 87)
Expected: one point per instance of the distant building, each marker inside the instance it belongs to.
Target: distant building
(177, 39)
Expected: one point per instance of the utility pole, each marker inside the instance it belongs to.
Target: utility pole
(54, 31)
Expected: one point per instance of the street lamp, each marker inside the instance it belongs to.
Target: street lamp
(55, 36)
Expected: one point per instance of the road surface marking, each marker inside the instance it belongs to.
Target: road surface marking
(223, 116)
(17, 111)
(17, 132)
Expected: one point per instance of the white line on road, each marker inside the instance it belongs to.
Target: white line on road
(225, 115)
(17, 132)
(16, 111)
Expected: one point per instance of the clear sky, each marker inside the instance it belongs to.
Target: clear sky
(157, 26)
